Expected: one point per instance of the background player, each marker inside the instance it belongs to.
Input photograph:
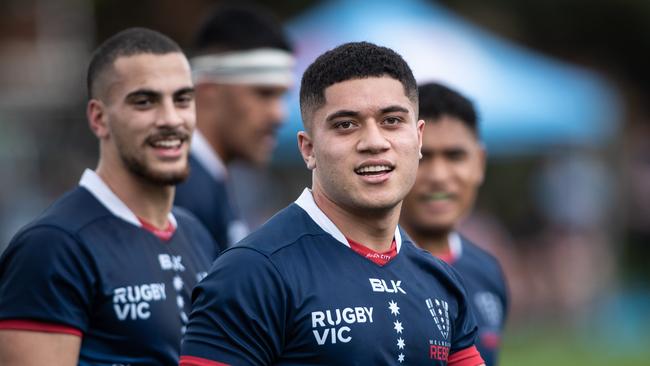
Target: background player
(242, 69)
(450, 173)
(104, 275)
(331, 280)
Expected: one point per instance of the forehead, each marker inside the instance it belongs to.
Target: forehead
(448, 131)
(367, 95)
(164, 73)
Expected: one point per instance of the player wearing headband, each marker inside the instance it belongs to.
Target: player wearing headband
(242, 69)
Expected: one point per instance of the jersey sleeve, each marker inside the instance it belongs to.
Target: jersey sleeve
(238, 312)
(465, 329)
(44, 279)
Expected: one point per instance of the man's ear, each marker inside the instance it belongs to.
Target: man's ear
(306, 147)
(420, 127)
(96, 114)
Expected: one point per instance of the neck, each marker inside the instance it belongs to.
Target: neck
(147, 201)
(211, 133)
(373, 229)
(436, 243)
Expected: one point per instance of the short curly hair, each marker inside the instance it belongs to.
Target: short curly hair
(354, 60)
(438, 100)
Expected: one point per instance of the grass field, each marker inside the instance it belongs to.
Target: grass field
(565, 348)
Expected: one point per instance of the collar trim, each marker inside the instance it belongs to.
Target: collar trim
(98, 188)
(207, 157)
(307, 203)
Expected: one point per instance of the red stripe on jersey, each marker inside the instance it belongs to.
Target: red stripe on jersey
(379, 258)
(447, 256)
(164, 234)
(198, 361)
(490, 339)
(465, 357)
(36, 326)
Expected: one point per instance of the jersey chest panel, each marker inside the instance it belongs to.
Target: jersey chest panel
(350, 311)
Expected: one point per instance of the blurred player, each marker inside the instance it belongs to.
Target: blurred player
(242, 69)
(104, 275)
(331, 279)
(450, 173)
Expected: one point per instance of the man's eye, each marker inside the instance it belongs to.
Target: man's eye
(142, 102)
(392, 120)
(456, 155)
(184, 100)
(344, 125)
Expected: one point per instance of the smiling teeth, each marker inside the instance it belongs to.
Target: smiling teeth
(168, 144)
(373, 169)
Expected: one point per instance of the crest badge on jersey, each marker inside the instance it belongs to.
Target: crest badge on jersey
(489, 308)
(439, 310)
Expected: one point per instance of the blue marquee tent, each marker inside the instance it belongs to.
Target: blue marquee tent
(527, 102)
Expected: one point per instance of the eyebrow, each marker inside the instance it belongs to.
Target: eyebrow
(350, 113)
(394, 108)
(155, 94)
(186, 90)
(341, 113)
(143, 92)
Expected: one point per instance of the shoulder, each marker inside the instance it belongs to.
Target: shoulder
(478, 257)
(442, 271)
(65, 218)
(71, 212)
(187, 220)
(482, 270)
(288, 228)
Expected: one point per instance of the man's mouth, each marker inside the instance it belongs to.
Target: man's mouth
(167, 141)
(167, 144)
(438, 196)
(374, 169)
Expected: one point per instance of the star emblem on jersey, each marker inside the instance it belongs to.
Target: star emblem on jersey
(178, 283)
(439, 310)
(394, 309)
(398, 326)
(399, 329)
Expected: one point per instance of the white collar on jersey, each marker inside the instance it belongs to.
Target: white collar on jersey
(96, 186)
(455, 245)
(307, 203)
(207, 157)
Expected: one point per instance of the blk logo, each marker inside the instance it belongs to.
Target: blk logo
(381, 286)
(171, 262)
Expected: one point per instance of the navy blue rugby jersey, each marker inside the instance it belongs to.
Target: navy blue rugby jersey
(294, 293)
(86, 267)
(205, 194)
(487, 293)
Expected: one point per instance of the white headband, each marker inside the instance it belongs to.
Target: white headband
(262, 66)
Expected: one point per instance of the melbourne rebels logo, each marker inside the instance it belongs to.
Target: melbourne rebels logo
(439, 310)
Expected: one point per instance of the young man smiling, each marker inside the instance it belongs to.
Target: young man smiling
(103, 276)
(450, 173)
(331, 279)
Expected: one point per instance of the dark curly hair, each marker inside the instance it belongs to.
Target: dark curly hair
(437, 100)
(355, 60)
(238, 26)
(129, 42)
